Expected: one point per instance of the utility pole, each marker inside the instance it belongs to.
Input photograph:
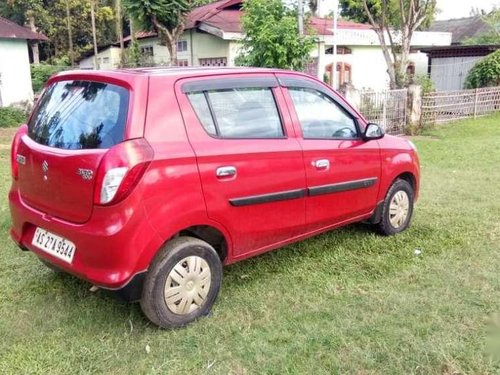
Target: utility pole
(70, 37)
(335, 43)
(300, 16)
(94, 33)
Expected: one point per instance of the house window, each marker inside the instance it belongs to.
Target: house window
(105, 60)
(147, 51)
(214, 61)
(182, 46)
(343, 71)
(182, 63)
(341, 50)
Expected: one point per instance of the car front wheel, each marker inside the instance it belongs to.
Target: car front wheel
(397, 209)
(182, 283)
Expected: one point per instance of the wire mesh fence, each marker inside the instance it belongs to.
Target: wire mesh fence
(444, 106)
(386, 108)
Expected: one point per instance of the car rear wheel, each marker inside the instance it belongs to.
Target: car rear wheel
(397, 209)
(182, 283)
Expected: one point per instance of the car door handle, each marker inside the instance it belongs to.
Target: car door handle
(322, 164)
(228, 171)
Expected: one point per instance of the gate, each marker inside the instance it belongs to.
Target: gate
(385, 108)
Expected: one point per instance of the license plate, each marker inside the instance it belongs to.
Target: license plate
(54, 245)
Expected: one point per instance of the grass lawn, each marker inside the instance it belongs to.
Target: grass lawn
(349, 301)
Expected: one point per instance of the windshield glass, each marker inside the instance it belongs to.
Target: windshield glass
(77, 115)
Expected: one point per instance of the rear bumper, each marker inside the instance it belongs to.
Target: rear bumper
(109, 247)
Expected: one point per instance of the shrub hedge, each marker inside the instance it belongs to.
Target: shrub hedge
(10, 116)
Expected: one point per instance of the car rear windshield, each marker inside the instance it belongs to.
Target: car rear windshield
(76, 115)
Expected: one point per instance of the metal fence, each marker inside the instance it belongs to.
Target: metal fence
(444, 106)
(386, 108)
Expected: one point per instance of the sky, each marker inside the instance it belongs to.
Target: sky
(462, 8)
(448, 8)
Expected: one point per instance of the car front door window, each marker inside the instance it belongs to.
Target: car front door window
(320, 117)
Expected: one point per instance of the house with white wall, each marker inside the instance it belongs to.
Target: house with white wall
(213, 38)
(15, 73)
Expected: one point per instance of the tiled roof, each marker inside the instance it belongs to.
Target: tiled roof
(226, 15)
(227, 20)
(324, 26)
(11, 30)
(461, 28)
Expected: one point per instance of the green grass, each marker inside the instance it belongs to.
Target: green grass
(348, 301)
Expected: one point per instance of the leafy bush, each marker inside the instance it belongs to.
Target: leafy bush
(485, 73)
(272, 38)
(40, 73)
(426, 82)
(10, 116)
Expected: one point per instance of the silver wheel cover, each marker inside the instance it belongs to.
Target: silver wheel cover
(399, 209)
(187, 285)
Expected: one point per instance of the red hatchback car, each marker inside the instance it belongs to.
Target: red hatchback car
(147, 181)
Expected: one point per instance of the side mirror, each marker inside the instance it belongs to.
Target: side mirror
(372, 132)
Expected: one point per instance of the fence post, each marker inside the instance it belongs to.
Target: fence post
(414, 110)
(476, 97)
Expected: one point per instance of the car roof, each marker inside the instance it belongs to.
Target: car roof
(174, 72)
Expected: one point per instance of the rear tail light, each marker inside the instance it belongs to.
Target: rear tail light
(13, 151)
(120, 170)
(112, 181)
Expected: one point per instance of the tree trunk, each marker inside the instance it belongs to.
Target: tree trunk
(119, 30)
(70, 37)
(404, 57)
(34, 45)
(388, 59)
(171, 44)
(94, 33)
(169, 38)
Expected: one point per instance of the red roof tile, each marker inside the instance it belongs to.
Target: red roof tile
(226, 20)
(11, 30)
(324, 26)
(226, 16)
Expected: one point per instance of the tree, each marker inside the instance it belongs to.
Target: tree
(31, 13)
(166, 17)
(272, 36)
(492, 36)
(50, 18)
(485, 73)
(313, 6)
(394, 21)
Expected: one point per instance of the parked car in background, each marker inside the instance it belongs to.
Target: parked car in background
(147, 181)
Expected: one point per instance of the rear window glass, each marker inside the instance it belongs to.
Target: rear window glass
(77, 115)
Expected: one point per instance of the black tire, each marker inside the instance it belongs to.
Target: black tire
(385, 226)
(153, 301)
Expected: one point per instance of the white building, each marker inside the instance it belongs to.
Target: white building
(15, 74)
(213, 34)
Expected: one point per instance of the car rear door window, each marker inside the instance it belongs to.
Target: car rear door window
(320, 117)
(80, 115)
(238, 113)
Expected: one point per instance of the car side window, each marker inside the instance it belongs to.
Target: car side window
(238, 113)
(320, 117)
